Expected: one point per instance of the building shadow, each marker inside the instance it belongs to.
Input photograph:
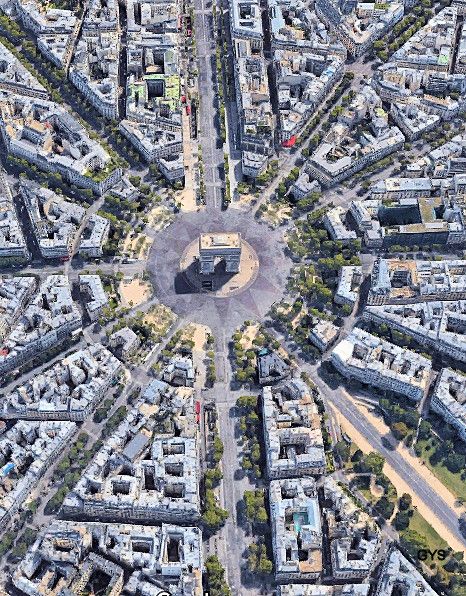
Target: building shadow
(191, 281)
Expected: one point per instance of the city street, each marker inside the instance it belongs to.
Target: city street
(209, 139)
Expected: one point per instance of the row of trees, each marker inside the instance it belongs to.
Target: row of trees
(249, 426)
(402, 31)
(213, 516)
(215, 576)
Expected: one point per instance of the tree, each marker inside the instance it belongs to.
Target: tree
(213, 477)
(412, 541)
(135, 180)
(400, 430)
(424, 429)
(218, 449)
(265, 565)
(216, 577)
(455, 462)
(401, 521)
(213, 516)
(342, 450)
(372, 462)
(357, 456)
(385, 507)
(405, 501)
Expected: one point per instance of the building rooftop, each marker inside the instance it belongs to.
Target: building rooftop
(148, 468)
(449, 399)
(403, 281)
(399, 575)
(68, 390)
(323, 334)
(292, 431)
(55, 221)
(354, 536)
(14, 293)
(214, 240)
(49, 318)
(296, 528)
(46, 134)
(12, 241)
(313, 590)
(140, 558)
(438, 324)
(96, 297)
(377, 361)
(26, 450)
(14, 76)
(271, 368)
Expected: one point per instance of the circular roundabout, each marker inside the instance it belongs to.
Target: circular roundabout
(221, 299)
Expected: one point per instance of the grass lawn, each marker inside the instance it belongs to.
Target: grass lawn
(452, 481)
(420, 525)
(368, 495)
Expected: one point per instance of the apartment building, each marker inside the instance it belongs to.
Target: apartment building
(251, 86)
(15, 292)
(292, 431)
(374, 361)
(271, 368)
(424, 81)
(96, 298)
(179, 371)
(55, 28)
(68, 390)
(358, 24)
(48, 320)
(437, 325)
(134, 559)
(125, 341)
(54, 220)
(449, 399)
(323, 334)
(417, 221)
(296, 529)
(27, 450)
(349, 282)
(313, 590)
(46, 135)
(361, 137)
(16, 78)
(95, 67)
(307, 63)
(335, 223)
(148, 469)
(400, 576)
(94, 236)
(153, 122)
(12, 242)
(395, 281)
(353, 535)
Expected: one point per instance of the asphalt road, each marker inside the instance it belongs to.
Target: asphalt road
(413, 479)
(209, 139)
(231, 542)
